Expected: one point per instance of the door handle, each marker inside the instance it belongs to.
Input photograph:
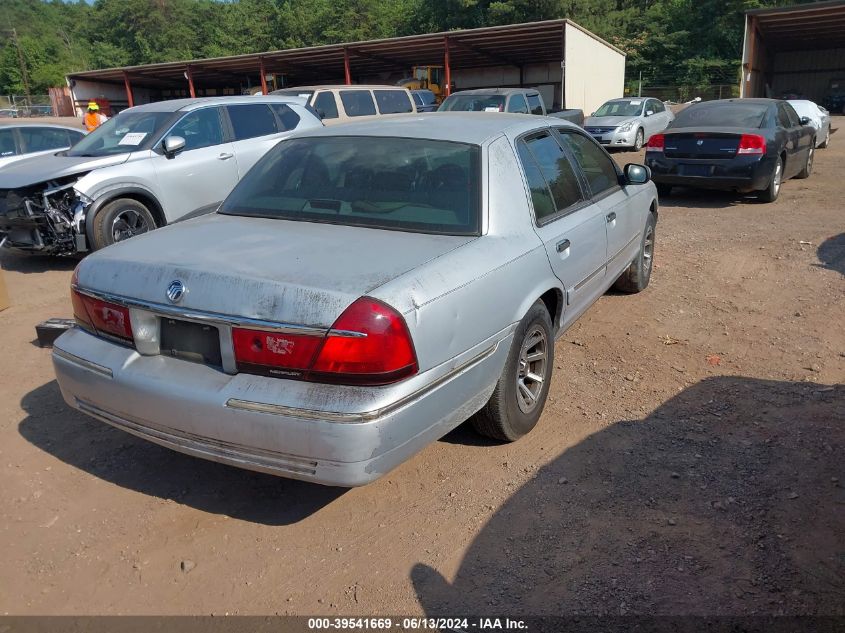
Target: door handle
(562, 246)
(611, 216)
(225, 156)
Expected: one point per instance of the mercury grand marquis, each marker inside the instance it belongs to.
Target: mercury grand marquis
(361, 292)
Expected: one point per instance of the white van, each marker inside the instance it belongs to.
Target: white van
(341, 103)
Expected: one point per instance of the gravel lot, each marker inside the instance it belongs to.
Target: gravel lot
(689, 461)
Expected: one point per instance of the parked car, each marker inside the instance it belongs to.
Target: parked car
(148, 166)
(23, 140)
(628, 123)
(342, 103)
(8, 113)
(425, 100)
(745, 145)
(819, 119)
(361, 292)
(834, 100)
(516, 100)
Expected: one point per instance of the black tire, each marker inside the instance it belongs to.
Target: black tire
(663, 190)
(770, 193)
(808, 166)
(639, 140)
(507, 416)
(119, 220)
(638, 274)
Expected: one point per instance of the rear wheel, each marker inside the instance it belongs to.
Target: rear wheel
(639, 140)
(520, 393)
(119, 220)
(638, 274)
(808, 166)
(770, 193)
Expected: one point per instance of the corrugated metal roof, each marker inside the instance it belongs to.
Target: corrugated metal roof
(509, 45)
(815, 25)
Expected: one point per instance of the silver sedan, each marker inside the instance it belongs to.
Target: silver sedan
(360, 293)
(628, 123)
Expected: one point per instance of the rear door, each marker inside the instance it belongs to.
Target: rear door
(571, 228)
(255, 129)
(795, 155)
(198, 178)
(623, 221)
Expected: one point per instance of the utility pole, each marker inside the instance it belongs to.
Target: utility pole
(22, 62)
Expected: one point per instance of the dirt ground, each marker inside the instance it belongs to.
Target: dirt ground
(689, 461)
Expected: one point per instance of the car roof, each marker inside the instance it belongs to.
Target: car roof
(496, 91)
(755, 101)
(343, 87)
(475, 128)
(176, 105)
(32, 123)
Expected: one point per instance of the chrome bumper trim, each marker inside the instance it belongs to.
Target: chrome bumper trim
(85, 364)
(201, 445)
(357, 418)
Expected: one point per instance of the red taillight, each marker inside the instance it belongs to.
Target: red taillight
(656, 143)
(369, 345)
(101, 316)
(751, 144)
(384, 354)
(272, 353)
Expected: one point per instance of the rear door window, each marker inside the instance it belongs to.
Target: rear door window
(358, 102)
(41, 139)
(393, 101)
(8, 146)
(599, 168)
(783, 117)
(794, 119)
(200, 128)
(555, 167)
(287, 118)
(535, 104)
(326, 105)
(517, 104)
(251, 120)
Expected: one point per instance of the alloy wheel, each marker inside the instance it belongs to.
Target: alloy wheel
(128, 223)
(776, 178)
(648, 250)
(532, 369)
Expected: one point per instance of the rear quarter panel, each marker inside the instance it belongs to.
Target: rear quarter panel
(484, 288)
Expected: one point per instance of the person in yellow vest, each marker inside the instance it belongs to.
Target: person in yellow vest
(93, 119)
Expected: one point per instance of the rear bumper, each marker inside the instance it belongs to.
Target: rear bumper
(250, 421)
(743, 174)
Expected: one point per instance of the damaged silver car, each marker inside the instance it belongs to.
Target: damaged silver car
(147, 167)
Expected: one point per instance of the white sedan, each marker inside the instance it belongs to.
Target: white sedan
(819, 119)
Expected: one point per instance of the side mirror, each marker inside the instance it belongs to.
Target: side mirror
(805, 120)
(592, 114)
(173, 145)
(637, 174)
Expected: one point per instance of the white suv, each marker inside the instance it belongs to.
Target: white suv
(148, 166)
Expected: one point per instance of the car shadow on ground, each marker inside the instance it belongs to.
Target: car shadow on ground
(831, 253)
(687, 198)
(23, 263)
(133, 463)
(726, 500)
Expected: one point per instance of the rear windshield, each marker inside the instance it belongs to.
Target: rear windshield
(415, 185)
(722, 115)
(474, 103)
(629, 107)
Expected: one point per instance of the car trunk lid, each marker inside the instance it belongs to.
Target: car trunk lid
(274, 270)
(702, 144)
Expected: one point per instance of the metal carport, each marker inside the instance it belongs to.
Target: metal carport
(527, 54)
(794, 49)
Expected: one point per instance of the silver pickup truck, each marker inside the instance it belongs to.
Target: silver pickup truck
(517, 100)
